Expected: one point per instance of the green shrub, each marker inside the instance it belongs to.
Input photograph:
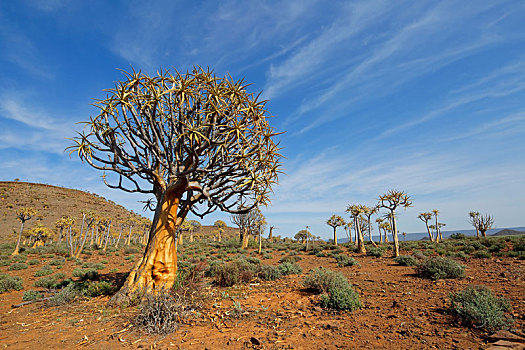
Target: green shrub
(345, 260)
(17, 266)
(338, 292)
(8, 283)
(290, 268)
(228, 274)
(377, 252)
(439, 268)
(98, 288)
(44, 271)
(57, 262)
(31, 295)
(131, 250)
(268, 272)
(342, 298)
(290, 258)
(86, 274)
(5, 262)
(33, 262)
(458, 236)
(406, 260)
(482, 254)
(478, 307)
(50, 282)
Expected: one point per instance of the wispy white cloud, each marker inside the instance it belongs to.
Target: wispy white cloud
(39, 130)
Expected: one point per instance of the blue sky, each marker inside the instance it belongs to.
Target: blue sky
(422, 96)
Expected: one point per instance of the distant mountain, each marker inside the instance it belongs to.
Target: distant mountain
(508, 232)
(417, 236)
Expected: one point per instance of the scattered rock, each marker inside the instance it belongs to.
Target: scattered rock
(255, 341)
(506, 335)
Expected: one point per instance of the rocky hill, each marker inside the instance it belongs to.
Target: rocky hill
(53, 202)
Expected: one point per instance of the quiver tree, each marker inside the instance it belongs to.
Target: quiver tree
(195, 141)
(356, 211)
(438, 232)
(220, 226)
(348, 230)
(484, 223)
(369, 211)
(39, 234)
(23, 214)
(426, 217)
(335, 221)
(392, 200)
(473, 219)
(270, 234)
(195, 227)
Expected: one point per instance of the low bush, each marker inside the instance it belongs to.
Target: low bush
(17, 266)
(458, 236)
(51, 282)
(99, 288)
(478, 307)
(230, 273)
(406, 260)
(290, 258)
(345, 260)
(377, 252)
(482, 254)
(33, 262)
(44, 271)
(269, 272)
(86, 274)
(338, 292)
(8, 283)
(439, 268)
(57, 262)
(289, 268)
(31, 295)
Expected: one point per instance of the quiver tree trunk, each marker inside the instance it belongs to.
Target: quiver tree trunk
(394, 235)
(157, 268)
(335, 235)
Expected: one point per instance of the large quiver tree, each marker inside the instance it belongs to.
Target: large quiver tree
(195, 141)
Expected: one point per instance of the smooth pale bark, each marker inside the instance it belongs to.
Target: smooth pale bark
(157, 269)
(245, 240)
(429, 233)
(17, 248)
(438, 235)
(260, 242)
(394, 234)
(180, 239)
(360, 238)
(335, 235)
(370, 233)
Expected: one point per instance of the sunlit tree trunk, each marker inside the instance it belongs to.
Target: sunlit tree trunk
(157, 268)
(17, 248)
(394, 235)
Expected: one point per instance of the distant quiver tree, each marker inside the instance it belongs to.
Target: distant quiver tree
(392, 200)
(335, 221)
(195, 141)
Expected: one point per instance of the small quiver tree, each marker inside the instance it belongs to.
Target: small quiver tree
(39, 235)
(335, 221)
(220, 226)
(195, 141)
(425, 217)
(473, 219)
(392, 200)
(484, 223)
(23, 214)
(356, 211)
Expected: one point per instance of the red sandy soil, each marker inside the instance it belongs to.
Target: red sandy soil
(400, 311)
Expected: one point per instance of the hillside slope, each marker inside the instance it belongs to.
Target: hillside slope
(53, 202)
